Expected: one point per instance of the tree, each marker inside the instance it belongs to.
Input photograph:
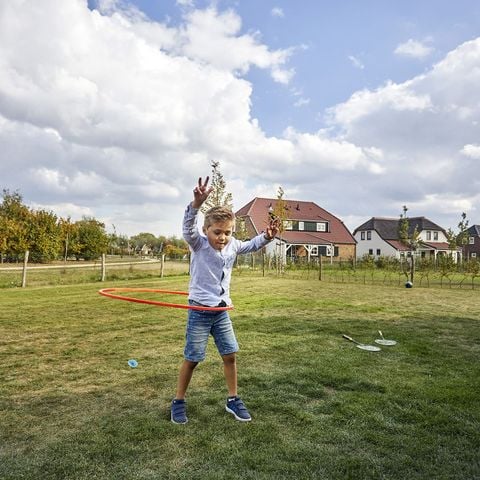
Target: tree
(44, 236)
(279, 212)
(67, 229)
(459, 239)
(462, 238)
(144, 239)
(241, 231)
(219, 196)
(15, 224)
(90, 239)
(410, 238)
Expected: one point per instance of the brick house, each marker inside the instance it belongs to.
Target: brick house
(472, 248)
(380, 237)
(309, 230)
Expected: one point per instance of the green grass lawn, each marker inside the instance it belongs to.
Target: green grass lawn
(71, 407)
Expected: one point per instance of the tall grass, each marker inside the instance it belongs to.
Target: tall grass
(71, 407)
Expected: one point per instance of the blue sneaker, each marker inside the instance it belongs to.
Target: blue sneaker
(178, 412)
(236, 407)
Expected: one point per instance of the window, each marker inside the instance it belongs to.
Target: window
(370, 251)
(435, 235)
(300, 226)
(362, 235)
(369, 235)
(474, 255)
(429, 235)
(321, 227)
(378, 252)
(314, 251)
(310, 226)
(471, 240)
(288, 225)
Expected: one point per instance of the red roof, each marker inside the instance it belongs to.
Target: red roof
(298, 210)
(437, 245)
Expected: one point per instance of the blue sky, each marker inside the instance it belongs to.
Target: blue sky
(340, 47)
(117, 106)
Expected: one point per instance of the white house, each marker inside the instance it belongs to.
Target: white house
(380, 237)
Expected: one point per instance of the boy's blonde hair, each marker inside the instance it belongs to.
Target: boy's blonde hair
(218, 214)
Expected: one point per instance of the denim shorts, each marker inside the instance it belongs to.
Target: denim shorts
(203, 323)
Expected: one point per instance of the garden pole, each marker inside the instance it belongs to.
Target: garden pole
(24, 273)
(103, 267)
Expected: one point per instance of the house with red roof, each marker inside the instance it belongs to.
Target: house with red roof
(309, 230)
(380, 237)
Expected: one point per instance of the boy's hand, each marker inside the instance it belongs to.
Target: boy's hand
(273, 228)
(201, 192)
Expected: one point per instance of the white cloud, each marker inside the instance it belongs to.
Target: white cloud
(277, 12)
(419, 126)
(472, 151)
(413, 49)
(302, 101)
(185, 3)
(214, 38)
(357, 63)
(114, 116)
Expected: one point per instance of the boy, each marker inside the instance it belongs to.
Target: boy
(212, 260)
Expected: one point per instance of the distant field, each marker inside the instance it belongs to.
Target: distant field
(71, 407)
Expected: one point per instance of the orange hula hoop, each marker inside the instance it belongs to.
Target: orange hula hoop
(111, 293)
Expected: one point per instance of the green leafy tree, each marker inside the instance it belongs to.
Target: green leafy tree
(15, 223)
(472, 268)
(174, 251)
(279, 212)
(144, 239)
(90, 239)
(241, 231)
(219, 196)
(462, 238)
(410, 238)
(45, 237)
(67, 229)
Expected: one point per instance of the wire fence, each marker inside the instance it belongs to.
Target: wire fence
(427, 273)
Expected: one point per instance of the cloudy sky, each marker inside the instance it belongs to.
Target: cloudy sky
(114, 108)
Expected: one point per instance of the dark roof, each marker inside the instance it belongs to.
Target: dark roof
(474, 230)
(387, 228)
(258, 209)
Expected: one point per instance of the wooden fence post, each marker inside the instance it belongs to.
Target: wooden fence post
(24, 273)
(320, 267)
(162, 263)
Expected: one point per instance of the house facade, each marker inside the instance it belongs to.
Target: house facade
(472, 248)
(380, 237)
(309, 230)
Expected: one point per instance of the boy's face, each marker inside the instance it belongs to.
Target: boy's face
(219, 233)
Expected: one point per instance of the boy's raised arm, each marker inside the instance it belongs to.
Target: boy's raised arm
(201, 193)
